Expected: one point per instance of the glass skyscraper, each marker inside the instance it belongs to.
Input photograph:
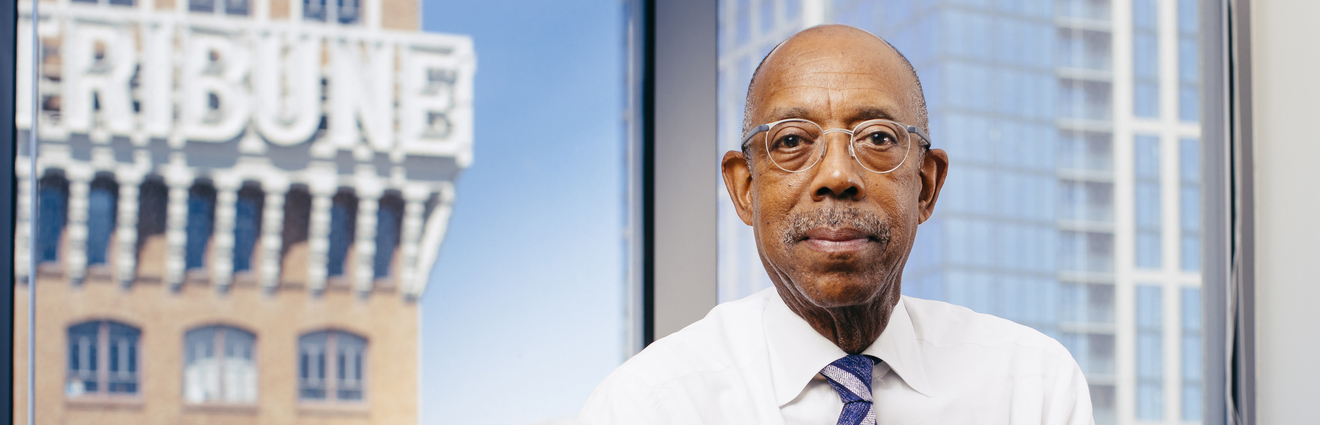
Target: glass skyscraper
(1072, 202)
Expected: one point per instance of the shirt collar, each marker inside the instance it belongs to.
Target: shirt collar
(798, 352)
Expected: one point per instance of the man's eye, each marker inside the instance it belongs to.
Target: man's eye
(880, 138)
(789, 142)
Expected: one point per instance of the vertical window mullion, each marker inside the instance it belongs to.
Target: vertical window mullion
(332, 384)
(219, 355)
(103, 357)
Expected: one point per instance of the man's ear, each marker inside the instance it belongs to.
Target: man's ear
(738, 180)
(934, 168)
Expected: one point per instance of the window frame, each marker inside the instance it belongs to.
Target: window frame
(668, 299)
(330, 14)
(102, 394)
(1227, 219)
(672, 287)
(218, 351)
(218, 8)
(331, 399)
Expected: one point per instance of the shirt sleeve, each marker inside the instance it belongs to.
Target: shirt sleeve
(1069, 401)
(620, 399)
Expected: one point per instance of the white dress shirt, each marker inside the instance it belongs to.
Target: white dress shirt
(754, 361)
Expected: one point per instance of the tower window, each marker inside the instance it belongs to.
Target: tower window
(247, 225)
(103, 359)
(220, 365)
(332, 366)
(201, 218)
(343, 228)
(52, 215)
(102, 207)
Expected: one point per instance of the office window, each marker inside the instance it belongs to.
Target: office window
(1094, 352)
(389, 224)
(1085, 100)
(1189, 203)
(792, 9)
(220, 7)
(1189, 62)
(1086, 151)
(343, 227)
(1102, 403)
(52, 215)
(1086, 252)
(341, 11)
(1084, 49)
(1145, 59)
(247, 224)
(1191, 347)
(102, 207)
(1084, 9)
(1146, 151)
(103, 359)
(767, 13)
(1088, 303)
(201, 219)
(332, 367)
(1087, 201)
(1150, 353)
(220, 365)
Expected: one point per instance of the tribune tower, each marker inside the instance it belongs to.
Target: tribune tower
(239, 204)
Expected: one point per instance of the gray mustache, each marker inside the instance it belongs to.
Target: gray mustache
(802, 222)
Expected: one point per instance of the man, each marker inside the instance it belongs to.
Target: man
(835, 174)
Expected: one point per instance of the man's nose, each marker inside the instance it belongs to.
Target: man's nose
(838, 175)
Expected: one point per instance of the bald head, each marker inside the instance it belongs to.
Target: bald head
(835, 49)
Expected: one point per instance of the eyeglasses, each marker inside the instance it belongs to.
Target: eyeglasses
(796, 145)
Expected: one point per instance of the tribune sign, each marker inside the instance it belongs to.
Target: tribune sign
(188, 77)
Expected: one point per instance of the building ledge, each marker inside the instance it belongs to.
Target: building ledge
(105, 402)
(333, 409)
(222, 408)
(1084, 23)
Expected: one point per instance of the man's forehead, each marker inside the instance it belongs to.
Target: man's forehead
(827, 65)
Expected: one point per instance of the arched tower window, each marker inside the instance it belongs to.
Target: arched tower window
(103, 359)
(201, 219)
(343, 228)
(297, 216)
(332, 366)
(247, 224)
(102, 210)
(52, 214)
(219, 365)
(389, 223)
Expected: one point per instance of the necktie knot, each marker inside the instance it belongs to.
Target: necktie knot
(851, 378)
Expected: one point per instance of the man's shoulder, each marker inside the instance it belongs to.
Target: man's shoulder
(941, 324)
(685, 377)
(729, 336)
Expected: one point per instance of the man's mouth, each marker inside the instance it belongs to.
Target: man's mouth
(830, 239)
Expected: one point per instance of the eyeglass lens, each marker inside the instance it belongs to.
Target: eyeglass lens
(796, 145)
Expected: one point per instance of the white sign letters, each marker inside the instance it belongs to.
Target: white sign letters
(209, 79)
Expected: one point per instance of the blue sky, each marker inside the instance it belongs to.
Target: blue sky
(526, 299)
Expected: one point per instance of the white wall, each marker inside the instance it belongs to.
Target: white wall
(1286, 117)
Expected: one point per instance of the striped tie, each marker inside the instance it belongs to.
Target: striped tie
(851, 378)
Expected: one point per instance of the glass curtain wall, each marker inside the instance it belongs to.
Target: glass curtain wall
(320, 211)
(1084, 222)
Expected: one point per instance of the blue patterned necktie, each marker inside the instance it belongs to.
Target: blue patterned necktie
(851, 378)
